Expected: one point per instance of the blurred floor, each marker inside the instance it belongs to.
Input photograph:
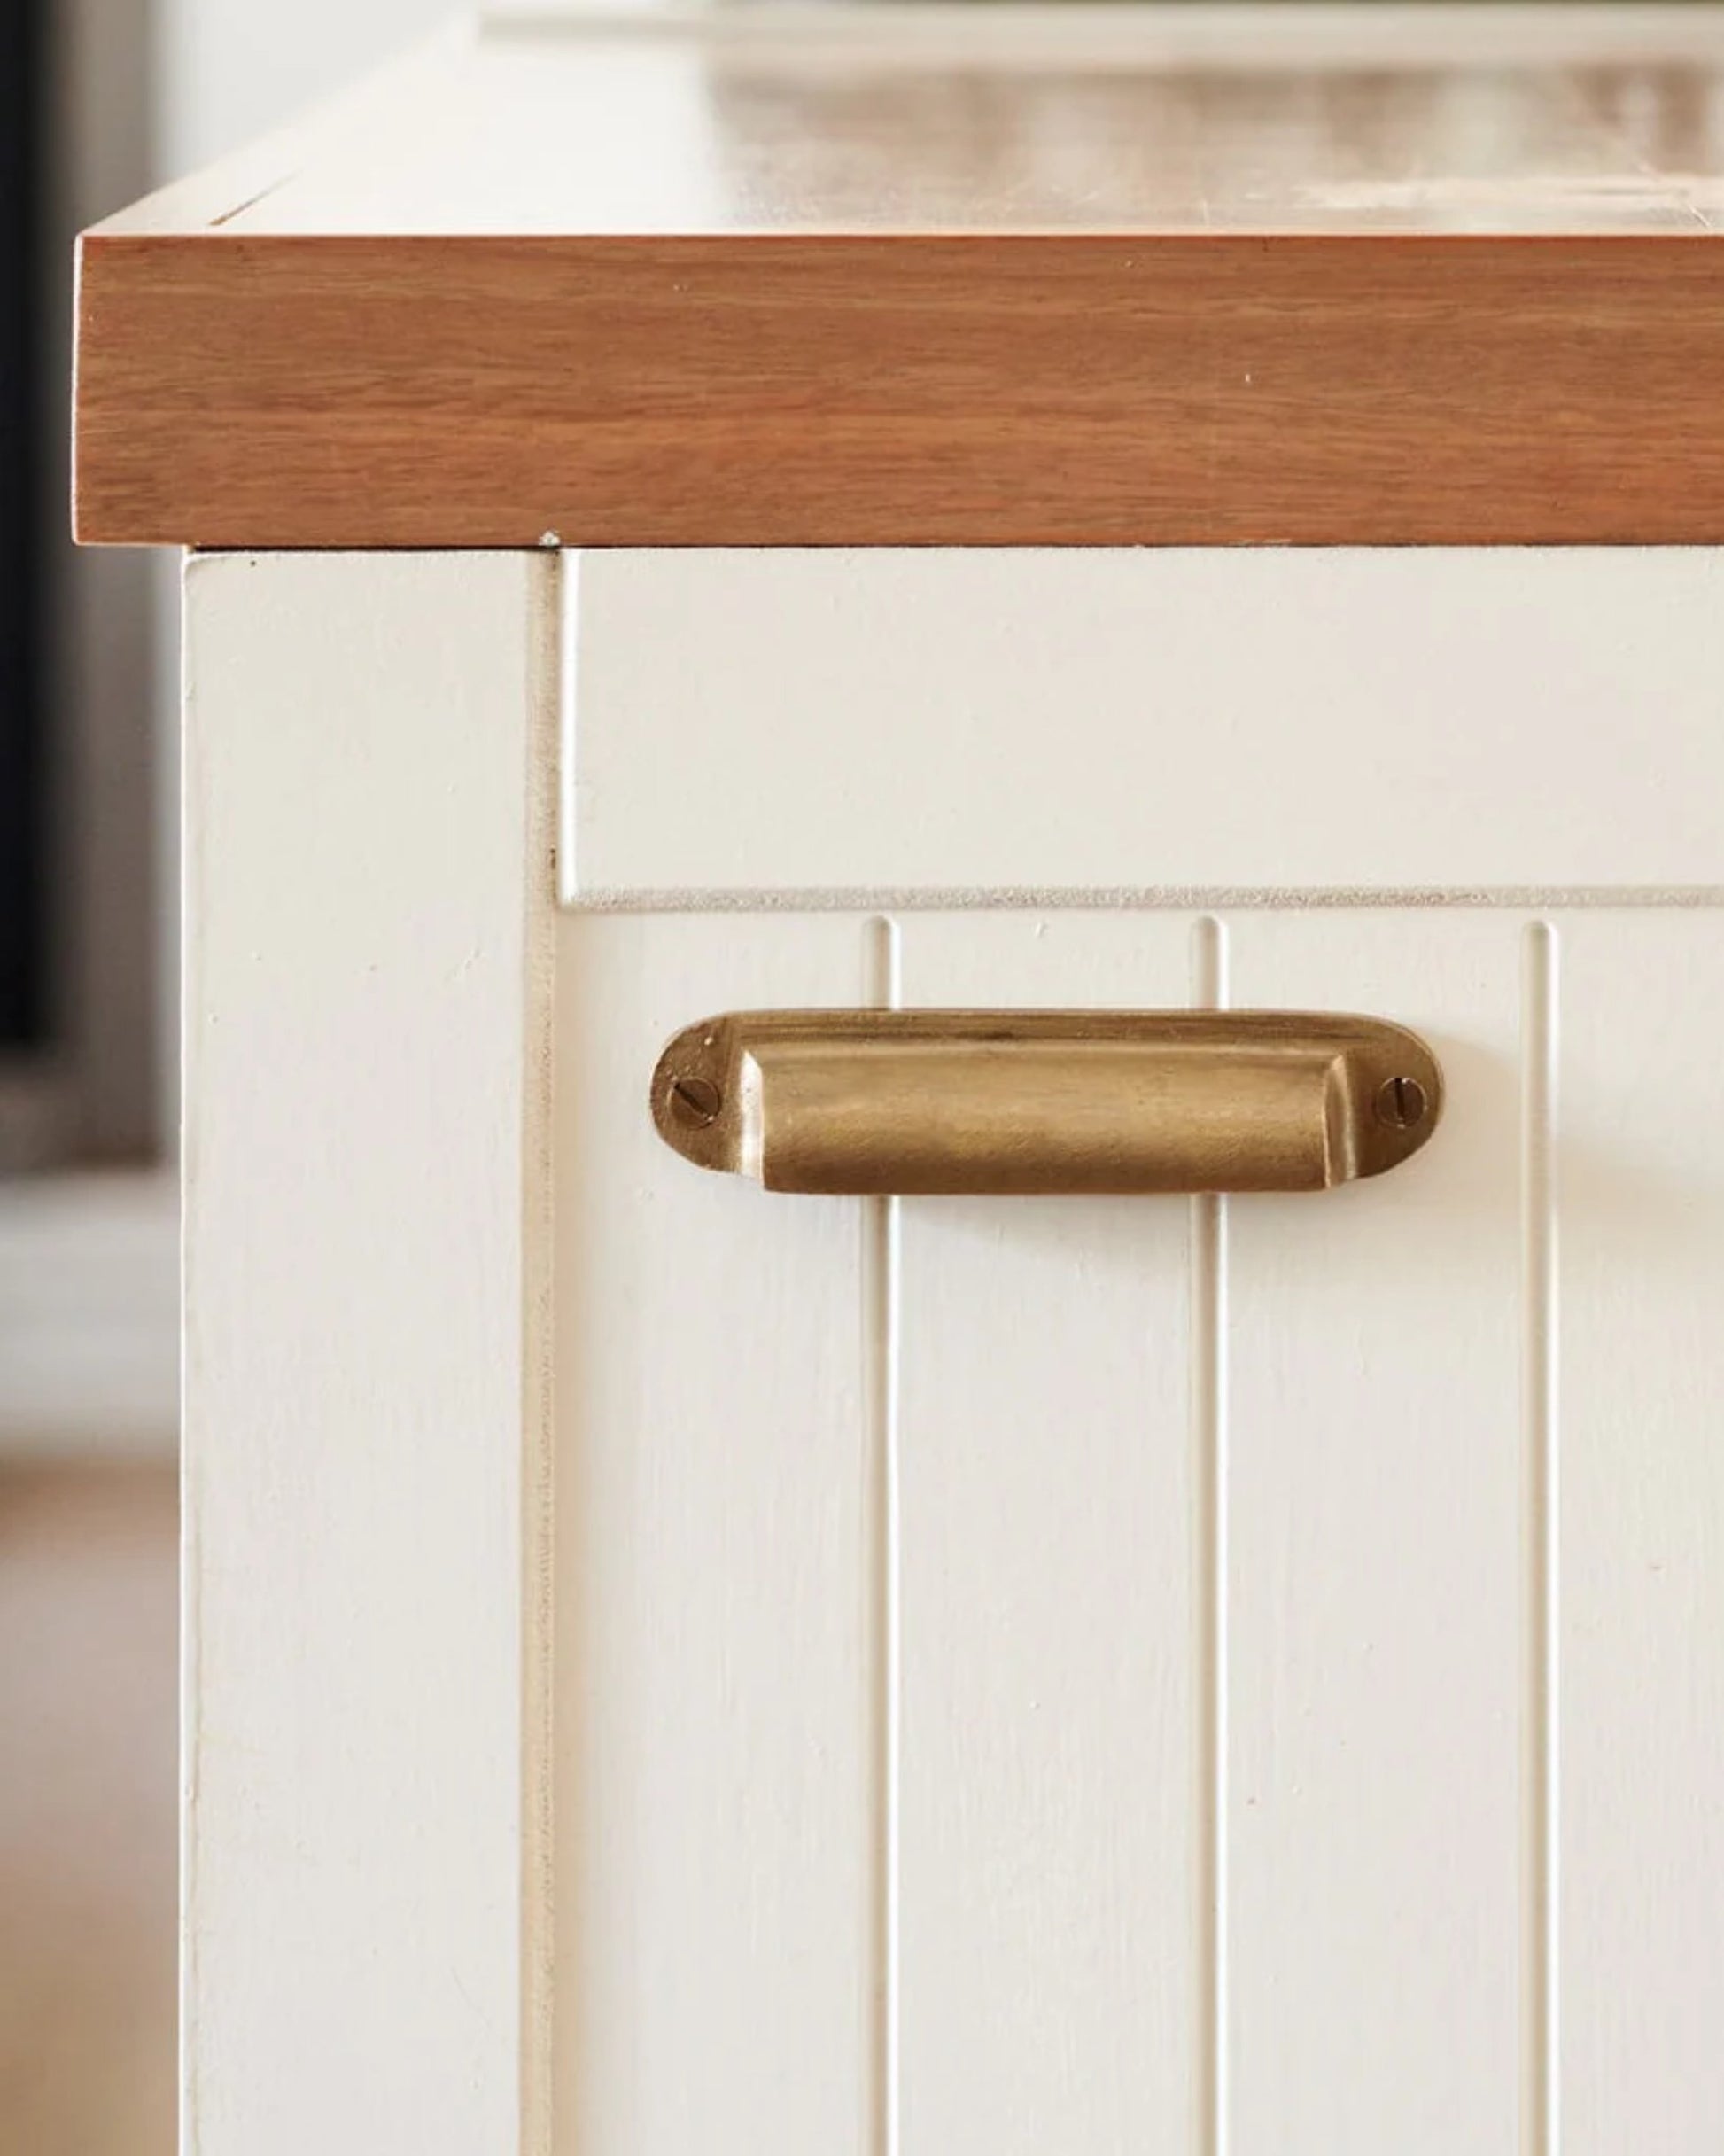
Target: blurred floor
(90, 1331)
(88, 1778)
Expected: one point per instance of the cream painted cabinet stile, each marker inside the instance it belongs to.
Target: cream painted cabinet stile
(672, 1666)
(366, 1075)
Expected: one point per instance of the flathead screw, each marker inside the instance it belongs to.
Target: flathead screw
(1400, 1103)
(695, 1102)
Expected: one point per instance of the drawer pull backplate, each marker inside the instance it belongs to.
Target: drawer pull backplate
(1033, 1102)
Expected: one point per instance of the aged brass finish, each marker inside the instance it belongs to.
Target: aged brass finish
(1026, 1102)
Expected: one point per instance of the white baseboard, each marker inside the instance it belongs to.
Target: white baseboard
(89, 1317)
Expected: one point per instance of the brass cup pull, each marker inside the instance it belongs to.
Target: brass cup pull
(1028, 1103)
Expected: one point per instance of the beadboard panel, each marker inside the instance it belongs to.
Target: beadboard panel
(1053, 1773)
(717, 1815)
(1209, 1676)
(1636, 1527)
(1374, 1534)
(911, 724)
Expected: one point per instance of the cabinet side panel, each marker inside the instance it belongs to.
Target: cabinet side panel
(368, 885)
(1639, 1499)
(1052, 1991)
(1374, 1520)
(717, 1821)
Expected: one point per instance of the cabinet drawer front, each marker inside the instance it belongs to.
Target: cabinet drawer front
(1011, 724)
(1107, 1673)
(689, 1667)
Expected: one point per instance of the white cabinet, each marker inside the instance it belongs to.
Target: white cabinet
(1033, 508)
(674, 1666)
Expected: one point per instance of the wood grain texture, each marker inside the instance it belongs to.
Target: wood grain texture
(284, 391)
(944, 119)
(916, 275)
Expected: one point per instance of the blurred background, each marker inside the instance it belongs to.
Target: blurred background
(99, 101)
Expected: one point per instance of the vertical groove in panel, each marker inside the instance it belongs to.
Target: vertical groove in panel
(1540, 2123)
(538, 1361)
(568, 677)
(1209, 1399)
(880, 1290)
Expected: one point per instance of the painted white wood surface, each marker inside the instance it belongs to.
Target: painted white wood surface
(1006, 721)
(1054, 1783)
(1112, 1674)
(1373, 1678)
(1638, 1513)
(1253, 1720)
(1135, 1716)
(715, 1819)
(367, 1075)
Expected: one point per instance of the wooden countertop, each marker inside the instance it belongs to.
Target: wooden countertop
(968, 275)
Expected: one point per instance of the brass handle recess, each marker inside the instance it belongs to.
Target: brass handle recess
(931, 1102)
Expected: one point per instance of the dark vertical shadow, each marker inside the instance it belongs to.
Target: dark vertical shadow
(107, 741)
(23, 814)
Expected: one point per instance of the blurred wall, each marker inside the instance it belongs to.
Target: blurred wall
(229, 69)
